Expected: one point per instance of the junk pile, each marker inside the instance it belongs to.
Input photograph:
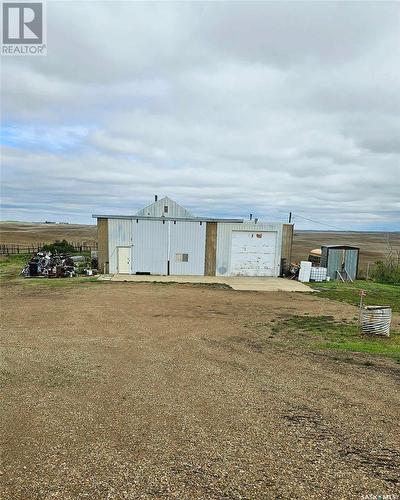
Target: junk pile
(59, 264)
(49, 265)
(46, 264)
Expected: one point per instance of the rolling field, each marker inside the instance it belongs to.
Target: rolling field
(27, 233)
(373, 246)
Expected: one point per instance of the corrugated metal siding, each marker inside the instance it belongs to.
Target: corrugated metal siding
(148, 240)
(150, 246)
(224, 244)
(156, 209)
(335, 257)
(351, 263)
(187, 238)
(119, 235)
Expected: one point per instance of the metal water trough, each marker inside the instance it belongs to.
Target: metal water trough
(375, 320)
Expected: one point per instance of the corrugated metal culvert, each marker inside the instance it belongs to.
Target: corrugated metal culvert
(375, 320)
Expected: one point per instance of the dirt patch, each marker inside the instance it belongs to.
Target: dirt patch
(143, 391)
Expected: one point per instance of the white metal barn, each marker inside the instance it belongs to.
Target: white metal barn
(166, 239)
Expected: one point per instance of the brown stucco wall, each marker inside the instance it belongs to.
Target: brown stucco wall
(211, 249)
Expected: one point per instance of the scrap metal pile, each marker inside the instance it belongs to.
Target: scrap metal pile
(49, 265)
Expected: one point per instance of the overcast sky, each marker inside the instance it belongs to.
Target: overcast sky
(229, 108)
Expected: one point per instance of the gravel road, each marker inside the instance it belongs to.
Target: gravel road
(125, 391)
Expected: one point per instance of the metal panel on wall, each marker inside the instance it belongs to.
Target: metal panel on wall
(334, 262)
(351, 263)
(119, 235)
(150, 246)
(187, 248)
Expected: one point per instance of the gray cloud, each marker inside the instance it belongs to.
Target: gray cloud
(228, 107)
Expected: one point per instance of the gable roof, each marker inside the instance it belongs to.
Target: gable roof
(165, 207)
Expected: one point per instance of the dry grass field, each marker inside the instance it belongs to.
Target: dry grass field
(125, 391)
(26, 233)
(373, 246)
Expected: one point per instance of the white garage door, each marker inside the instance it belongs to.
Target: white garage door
(253, 254)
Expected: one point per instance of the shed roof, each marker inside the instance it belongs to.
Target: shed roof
(341, 247)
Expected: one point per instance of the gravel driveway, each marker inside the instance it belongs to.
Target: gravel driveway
(170, 391)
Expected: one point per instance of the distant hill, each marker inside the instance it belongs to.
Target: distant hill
(25, 233)
(373, 245)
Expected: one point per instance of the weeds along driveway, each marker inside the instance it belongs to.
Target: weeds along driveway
(125, 391)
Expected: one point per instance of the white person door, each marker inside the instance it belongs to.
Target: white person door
(124, 260)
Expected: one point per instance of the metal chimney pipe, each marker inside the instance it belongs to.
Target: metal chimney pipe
(251, 216)
(155, 197)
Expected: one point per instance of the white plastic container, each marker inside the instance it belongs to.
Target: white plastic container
(305, 271)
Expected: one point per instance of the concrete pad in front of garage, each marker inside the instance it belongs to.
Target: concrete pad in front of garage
(259, 284)
(262, 284)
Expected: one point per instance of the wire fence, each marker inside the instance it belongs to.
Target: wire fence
(15, 249)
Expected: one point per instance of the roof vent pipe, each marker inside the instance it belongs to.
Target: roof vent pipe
(256, 220)
(251, 217)
(155, 197)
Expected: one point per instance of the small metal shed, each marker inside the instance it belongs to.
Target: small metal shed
(341, 261)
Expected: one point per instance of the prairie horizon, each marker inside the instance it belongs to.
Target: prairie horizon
(374, 245)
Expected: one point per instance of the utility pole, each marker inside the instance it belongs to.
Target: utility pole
(290, 217)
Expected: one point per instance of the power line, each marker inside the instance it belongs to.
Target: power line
(320, 223)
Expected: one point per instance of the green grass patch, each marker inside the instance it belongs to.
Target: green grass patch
(325, 332)
(11, 266)
(378, 294)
